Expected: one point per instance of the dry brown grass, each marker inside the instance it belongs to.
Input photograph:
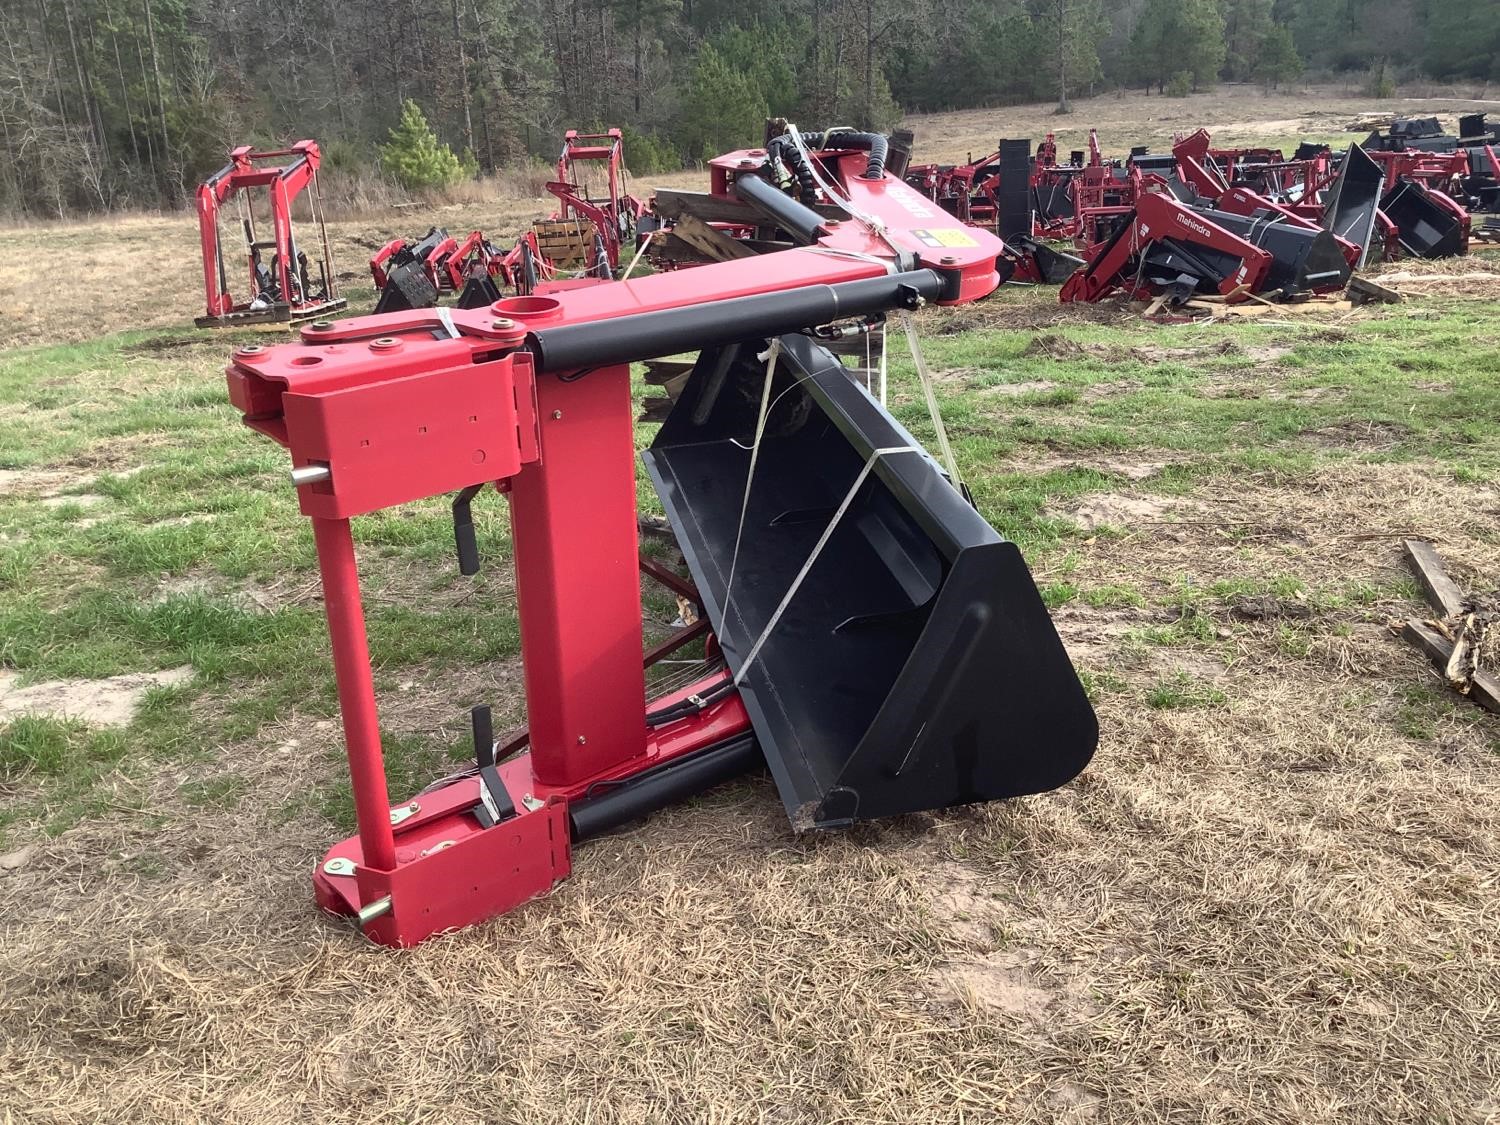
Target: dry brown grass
(1236, 115)
(79, 281)
(1281, 908)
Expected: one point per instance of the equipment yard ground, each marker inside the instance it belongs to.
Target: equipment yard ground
(1271, 897)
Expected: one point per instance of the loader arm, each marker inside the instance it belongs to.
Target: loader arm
(1196, 166)
(1158, 218)
(938, 676)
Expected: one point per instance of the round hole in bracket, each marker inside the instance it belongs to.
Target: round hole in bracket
(306, 360)
(532, 308)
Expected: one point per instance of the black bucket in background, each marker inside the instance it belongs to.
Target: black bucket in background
(407, 287)
(1350, 210)
(1054, 200)
(1304, 260)
(1473, 127)
(915, 666)
(1013, 195)
(480, 291)
(1426, 229)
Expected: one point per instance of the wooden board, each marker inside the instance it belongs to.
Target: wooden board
(1363, 291)
(1446, 598)
(1484, 689)
(714, 245)
(660, 371)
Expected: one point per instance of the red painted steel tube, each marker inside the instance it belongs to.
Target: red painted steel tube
(351, 668)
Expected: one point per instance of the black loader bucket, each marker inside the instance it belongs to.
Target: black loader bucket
(1053, 266)
(890, 646)
(1303, 260)
(407, 287)
(1054, 200)
(1353, 201)
(1013, 195)
(1427, 230)
(479, 291)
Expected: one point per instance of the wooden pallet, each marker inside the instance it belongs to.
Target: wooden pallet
(566, 243)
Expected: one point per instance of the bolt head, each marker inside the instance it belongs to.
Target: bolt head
(502, 324)
(321, 325)
(557, 415)
(582, 741)
(948, 260)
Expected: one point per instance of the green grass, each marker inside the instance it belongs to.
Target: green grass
(160, 483)
(1180, 691)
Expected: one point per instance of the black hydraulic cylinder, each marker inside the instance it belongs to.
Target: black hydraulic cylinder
(800, 221)
(649, 335)
(663, 786)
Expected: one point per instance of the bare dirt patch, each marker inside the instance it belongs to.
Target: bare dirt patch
(1132, 466)
(109, 702)
(39, 482)
(1113, 510)
(998, 981)
(1363, 435)
(1015, 390)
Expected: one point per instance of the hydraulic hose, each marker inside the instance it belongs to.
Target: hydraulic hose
(781, 148)
(874, 143)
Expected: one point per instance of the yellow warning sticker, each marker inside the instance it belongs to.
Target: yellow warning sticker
(945, 236)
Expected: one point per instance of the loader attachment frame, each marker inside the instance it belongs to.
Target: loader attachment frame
(292, 286)
(532, 394)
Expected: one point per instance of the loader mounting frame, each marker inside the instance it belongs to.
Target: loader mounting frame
(285, 291)
(533, 396)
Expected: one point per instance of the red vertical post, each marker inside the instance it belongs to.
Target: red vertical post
(573, 521)
(281, 225)
(351, 668)
(208, 237)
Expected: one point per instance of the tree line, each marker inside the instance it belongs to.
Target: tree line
(115, 103)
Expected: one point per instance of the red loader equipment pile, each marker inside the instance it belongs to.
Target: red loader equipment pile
(582, 238)
(290, 287)
(873, 639)
(588, 230)
(411, 275)
(995, 192)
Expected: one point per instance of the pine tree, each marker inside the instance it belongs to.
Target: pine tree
(1153, 44)
(722, 108)
(415, 156)
(1201, 32)
(1277, 60)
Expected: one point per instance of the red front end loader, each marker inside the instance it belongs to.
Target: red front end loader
(873, 639)
(290, 287)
